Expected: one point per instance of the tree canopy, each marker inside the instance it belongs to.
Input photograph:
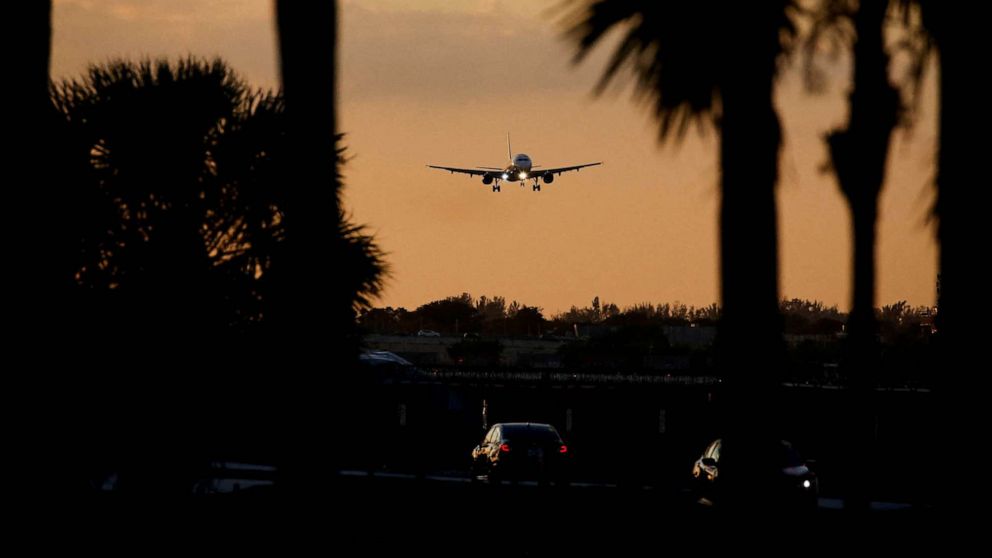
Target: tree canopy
(177, 174)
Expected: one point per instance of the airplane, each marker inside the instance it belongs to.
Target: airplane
(519, 169)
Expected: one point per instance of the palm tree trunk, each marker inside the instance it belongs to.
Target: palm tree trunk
(750, 329)
(27, 236)
(859, 154)
(861, 361)
(27, 257)
(307, 43)
(961, 162)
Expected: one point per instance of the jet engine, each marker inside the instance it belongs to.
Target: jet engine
(487, 178)
(548, 177)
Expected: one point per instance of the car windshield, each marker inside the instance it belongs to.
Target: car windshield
(531, 432)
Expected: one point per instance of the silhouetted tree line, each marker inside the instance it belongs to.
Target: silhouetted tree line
(458, 315)
(604, 338)
(493, 317)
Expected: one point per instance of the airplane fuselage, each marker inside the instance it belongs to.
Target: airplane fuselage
(519, 169)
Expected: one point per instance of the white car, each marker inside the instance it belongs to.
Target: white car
(428, 333)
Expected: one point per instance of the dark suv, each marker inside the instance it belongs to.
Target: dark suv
(521, 451)
(789, 481)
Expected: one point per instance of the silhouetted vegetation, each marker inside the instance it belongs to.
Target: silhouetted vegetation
(652, 338)
(178, 173)
(716, 62)
(858, 154)
(178, 250)
(31, 311)
(492, 316)
(811, 317)
(957, 36)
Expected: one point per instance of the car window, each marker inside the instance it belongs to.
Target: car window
(532, 432)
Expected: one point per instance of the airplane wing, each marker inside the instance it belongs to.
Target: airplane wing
(559, 170)
(471, 172)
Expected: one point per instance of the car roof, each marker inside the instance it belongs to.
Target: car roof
(533, 425)
(383, 357)
(784, 443)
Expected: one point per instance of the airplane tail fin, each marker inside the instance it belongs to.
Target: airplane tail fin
(509, 152)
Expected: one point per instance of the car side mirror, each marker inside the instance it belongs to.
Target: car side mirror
(709, 462)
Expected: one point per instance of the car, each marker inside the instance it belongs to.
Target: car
(385, 364)
(792, 482)
(226, 477)
(428, 333)
(521, 451)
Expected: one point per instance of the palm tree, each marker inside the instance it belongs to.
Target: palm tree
(307, 49)
(956, 34)
(859, 164)
(859, 154)
(719, 60)
(178, 174)
(147, 155)
(307, 44)
(27, 244)
(28, 260)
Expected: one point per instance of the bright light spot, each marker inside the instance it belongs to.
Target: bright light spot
(505, 176)
(806, 484)
(523, 175)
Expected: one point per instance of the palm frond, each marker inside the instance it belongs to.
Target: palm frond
(676, 51)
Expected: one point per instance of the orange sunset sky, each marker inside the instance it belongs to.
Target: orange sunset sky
(432, 81)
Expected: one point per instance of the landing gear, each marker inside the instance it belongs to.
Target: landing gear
(496, 187)
(537, 186)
